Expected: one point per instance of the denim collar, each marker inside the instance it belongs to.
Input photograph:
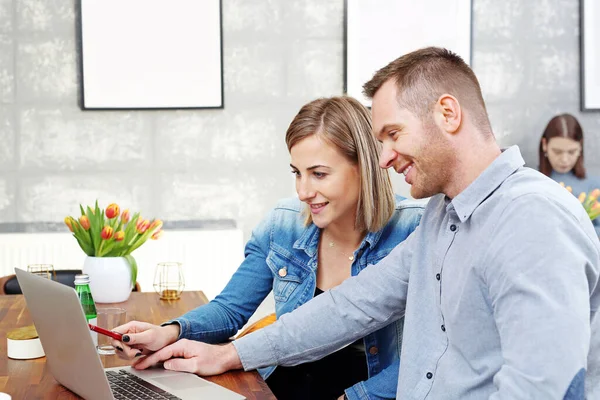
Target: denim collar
(488, 181)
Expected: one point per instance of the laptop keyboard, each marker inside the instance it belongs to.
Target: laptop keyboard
(128, 386)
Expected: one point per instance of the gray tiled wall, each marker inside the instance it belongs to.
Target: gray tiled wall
(232, 163)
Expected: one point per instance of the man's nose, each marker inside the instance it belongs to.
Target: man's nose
(387, 157)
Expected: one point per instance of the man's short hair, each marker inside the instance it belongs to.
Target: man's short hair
(422, 76)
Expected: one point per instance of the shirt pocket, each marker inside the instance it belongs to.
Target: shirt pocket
(287, 276)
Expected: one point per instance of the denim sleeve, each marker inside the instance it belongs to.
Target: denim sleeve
(540, 294)
(379, 387)
(221, 318)
(358, 306)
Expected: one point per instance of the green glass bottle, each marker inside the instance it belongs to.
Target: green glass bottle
(82, 287)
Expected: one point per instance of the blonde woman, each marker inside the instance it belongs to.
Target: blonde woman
(346, 217)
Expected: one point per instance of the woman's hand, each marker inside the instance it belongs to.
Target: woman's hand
(192, 356)
(141, 338)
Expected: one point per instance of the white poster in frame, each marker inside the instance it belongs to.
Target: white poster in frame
(378, 32)
(150, 54)
(590, 54)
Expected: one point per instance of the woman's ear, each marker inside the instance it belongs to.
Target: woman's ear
(544, 145)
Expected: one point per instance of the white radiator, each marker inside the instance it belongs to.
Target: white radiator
(209, 257)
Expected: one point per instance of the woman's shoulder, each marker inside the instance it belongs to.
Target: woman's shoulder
(287, 215)
(283, 223)
(407, 216)
(291, 205)
(409, 205)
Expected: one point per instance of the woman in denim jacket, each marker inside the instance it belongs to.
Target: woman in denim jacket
(350, 219)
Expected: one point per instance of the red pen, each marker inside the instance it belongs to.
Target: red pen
(114, 335)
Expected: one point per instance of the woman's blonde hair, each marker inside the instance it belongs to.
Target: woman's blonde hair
(346, 124)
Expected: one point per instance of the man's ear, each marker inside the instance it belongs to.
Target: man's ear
(448, 113)
(544, 145)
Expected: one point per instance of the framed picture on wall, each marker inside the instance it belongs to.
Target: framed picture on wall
(377, 32)
(150, 54)
(590, 54)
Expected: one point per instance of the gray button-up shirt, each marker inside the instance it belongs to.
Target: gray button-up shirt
(499, 287)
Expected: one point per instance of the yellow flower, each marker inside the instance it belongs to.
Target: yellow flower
(125, 216)
(112, 211)
(107, 232)
(69, 223)
(84, 221)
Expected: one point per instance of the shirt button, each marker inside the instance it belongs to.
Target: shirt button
(429, 375)
(452, 227)
(438, 276)
(443, 328)
(282, 272)
(373, 350)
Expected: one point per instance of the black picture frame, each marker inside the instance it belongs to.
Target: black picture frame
(589, 51)
(354, 78)
(149, 55)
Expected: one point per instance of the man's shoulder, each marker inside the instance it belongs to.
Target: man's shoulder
(529, 185)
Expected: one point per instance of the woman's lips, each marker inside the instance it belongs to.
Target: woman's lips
(316, 208)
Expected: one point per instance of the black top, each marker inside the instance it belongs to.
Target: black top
(324, 379)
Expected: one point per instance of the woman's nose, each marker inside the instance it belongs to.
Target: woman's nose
(304, 189)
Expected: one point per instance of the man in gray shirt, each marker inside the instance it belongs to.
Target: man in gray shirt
(498, 285)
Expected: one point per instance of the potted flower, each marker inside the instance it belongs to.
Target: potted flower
(589, 201)
(108, 237)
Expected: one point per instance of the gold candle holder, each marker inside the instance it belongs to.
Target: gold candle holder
(168, 280)
(42, 270)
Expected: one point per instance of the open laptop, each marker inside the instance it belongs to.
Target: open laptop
(73, 361)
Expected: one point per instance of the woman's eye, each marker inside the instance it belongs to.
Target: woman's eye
(297, 173)
(319, 175)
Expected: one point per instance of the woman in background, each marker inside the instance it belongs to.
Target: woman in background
(561, 157)
(350, 220)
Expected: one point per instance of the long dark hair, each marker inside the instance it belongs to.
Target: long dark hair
(567, 126)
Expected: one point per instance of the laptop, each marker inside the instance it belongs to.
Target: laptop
(73, 361)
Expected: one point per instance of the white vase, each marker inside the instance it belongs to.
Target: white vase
(110, 278)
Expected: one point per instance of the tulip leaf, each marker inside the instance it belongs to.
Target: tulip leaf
(134, 268)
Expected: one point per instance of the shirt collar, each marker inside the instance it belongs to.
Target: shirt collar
(309, 240)
(489, 180)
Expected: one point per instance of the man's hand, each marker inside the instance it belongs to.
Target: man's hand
(196, 357)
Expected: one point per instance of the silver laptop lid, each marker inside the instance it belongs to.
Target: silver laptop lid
(70, 352)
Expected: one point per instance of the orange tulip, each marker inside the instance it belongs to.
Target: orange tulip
(120, 235)
(156, 224)
(125, 216)
(85, 222)
(595, 193)
(112, 211)
(142, 226)
(69, 223)
(107, 232)
(156, 235)
(582, 196)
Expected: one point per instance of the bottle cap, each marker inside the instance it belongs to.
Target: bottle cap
(82, 279)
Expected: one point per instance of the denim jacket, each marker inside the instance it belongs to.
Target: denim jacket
(281, 256)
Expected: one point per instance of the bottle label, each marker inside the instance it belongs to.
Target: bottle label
(94, 321)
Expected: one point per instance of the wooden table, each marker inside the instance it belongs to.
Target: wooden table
(30, 379)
